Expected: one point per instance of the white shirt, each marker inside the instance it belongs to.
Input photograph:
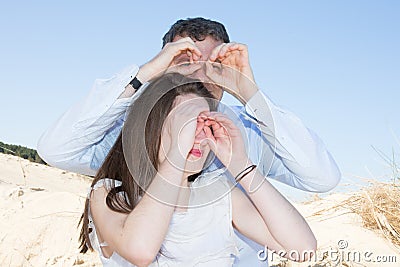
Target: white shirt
(203, 235)
(80, 140)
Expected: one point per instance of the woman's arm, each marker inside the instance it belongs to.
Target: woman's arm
(266, 217)
(82, 137)
(138, 236)
(269, 219)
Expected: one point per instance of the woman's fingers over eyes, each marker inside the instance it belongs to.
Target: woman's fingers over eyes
(200, 126)
(202, 117)
(209, 133)
(224, 119)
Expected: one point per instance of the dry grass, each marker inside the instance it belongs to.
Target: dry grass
(379, 207)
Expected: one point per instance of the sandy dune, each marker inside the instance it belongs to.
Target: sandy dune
(39, 215)
(40, 208)
(342, 240)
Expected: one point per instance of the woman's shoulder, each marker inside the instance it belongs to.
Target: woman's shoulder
(107, 183)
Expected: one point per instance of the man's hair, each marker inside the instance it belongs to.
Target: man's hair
(197, 29)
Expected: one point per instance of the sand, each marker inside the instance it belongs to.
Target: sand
(39, 215)
(40, 208)
(342, 240)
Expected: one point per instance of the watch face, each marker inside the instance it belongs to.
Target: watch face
(135, 83)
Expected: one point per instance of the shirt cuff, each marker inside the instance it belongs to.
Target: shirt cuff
(104, 94)
(128, 74)
(260, 109)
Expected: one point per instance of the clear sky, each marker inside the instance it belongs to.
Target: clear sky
(336, 64)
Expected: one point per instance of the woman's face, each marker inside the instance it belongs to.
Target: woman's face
(200, 149)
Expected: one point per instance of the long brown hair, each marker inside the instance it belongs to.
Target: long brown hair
(141, 139)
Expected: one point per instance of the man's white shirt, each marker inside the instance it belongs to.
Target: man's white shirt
(277, 141)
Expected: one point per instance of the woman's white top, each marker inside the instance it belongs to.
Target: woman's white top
(201, 236)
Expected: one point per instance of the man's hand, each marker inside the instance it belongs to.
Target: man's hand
(229, 67)
(184, 49)
(175, 54)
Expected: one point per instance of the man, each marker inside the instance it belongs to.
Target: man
(282, 147)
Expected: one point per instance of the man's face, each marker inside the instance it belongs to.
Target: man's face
(206, 47)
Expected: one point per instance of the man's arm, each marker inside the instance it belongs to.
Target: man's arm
(80, 140)
(291, 153)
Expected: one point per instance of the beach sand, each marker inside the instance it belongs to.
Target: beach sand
(40, 214)
(40, 208)
(342, 239)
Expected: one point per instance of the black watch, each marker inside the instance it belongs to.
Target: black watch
(135, 83)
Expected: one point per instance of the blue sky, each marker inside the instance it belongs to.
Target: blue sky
(336, 64)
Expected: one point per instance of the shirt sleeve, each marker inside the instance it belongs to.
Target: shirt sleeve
(294, 154)
(80, 140)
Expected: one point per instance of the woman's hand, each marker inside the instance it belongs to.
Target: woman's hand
(225, 139)
(180, 130)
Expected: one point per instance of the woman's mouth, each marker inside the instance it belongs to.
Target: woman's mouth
(195, 152)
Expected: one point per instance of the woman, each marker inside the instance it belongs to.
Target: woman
(151, 203)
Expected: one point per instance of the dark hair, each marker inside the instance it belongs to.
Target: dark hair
(197, 29)
(141, 137)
